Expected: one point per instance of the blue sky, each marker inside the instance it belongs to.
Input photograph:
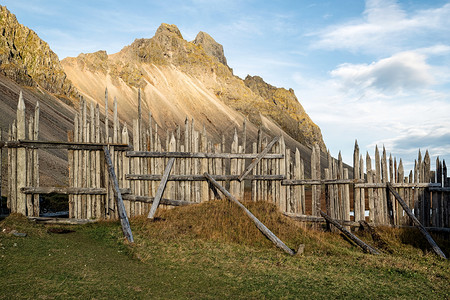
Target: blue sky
(376, 70)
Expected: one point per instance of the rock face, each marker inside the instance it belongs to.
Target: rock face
(28, 60)
(180, 78)
(211, 47)
(287, 111)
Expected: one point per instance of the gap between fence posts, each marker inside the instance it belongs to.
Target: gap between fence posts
(422, 229)
(258, 223)
(120, 206)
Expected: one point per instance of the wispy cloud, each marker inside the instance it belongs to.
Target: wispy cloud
(405, 71)
(384, 25)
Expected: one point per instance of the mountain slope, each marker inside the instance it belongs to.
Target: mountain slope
(180, 78)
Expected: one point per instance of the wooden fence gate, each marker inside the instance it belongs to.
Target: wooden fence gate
(270, 172)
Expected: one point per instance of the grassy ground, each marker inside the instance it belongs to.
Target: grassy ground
(213, 251)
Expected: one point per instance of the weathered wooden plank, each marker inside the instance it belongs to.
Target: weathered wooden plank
(258, 158)
(23, 143)
(357, 191)
(350, 235)
(148, 199)
(161, 188)
(200, 155)
(422, 229)
(121, 208)
(69, 190)
(317, 219)
(21, 156)
(398, 185)
(156, 177)
(35, 167)
(48, 220)
(321, 182)
(258, 223)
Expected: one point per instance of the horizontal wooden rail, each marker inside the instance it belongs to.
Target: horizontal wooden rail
(319, 182)
(61, 145)
(68, 190)
(200, 155)
(149, 177)
(146, 199)
(317, 219)
(397, 185)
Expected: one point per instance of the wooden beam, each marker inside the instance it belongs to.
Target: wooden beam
(68, 190)
(317, 219)
(61, 145)
(258, 158)
(151, 177)
(120, 206)
(350, 235)
(65, 221)
(199, 155)
(164, 201)
(318, 182)
(422, 229)
(161, 188)
(397, 185)
(258, 223)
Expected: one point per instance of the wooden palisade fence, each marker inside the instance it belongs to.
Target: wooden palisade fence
(277, 173)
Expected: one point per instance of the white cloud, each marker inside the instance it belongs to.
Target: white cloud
(405, 71)
(384, 26)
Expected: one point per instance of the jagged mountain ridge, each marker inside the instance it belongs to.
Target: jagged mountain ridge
(151, 64)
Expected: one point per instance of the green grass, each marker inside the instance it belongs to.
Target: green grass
(192, 253)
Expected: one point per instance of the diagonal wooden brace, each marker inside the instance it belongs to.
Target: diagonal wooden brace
(120, 206)
(161, 188)
(257, 222)
(422, 229)
(258, 158)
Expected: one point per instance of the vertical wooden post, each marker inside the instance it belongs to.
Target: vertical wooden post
(136, 167)
(362, 205)
(437, 197)
(357, 191)
(297, 189)
(427, 194)
(370, 191)
(106, 117)
(29, 170)
(36, 160)
(314, 187)
(204, 166)
(21, 157)
(233, 163)
(283, 171)
(400, 179)
(443, 205)
(346, 210)
(378, 198)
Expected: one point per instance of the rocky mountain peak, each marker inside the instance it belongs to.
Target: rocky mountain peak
(28, 60)
(168, 30)
(211, 47)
